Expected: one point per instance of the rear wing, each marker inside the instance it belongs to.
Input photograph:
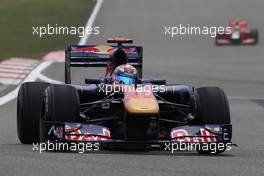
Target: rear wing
(99, 56)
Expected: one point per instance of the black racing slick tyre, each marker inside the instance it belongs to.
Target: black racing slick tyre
(218, 36)
(212, 108)
(254, 34)
(28, 111)
(61, 104)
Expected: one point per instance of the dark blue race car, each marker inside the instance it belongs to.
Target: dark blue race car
(132, 112)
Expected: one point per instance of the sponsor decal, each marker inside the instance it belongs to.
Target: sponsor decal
(57, 131)
(75, 134)
(87, 50)
(183, 136)
(102, 49)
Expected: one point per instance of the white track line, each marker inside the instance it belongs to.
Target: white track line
(47, 79)
(31, 77)
(36, 73)
(90, 21)
(82, 41)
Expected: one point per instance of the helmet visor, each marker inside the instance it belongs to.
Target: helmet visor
(121, 79)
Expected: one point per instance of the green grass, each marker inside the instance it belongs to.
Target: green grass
(17, 17)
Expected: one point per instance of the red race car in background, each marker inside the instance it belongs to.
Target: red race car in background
(238, 34)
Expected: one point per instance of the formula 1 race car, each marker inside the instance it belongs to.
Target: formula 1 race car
(239, 34)
(123, 110)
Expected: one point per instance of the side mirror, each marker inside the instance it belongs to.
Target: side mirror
(93, 81)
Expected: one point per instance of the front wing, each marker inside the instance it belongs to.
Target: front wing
(90, 133)
(247, 41)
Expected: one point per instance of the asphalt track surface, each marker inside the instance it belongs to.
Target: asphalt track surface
(192, 60)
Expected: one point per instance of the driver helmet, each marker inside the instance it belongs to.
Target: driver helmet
(125, 74)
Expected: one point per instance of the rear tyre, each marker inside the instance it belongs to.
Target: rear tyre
(218, 36)
(212, 108)
(254, 34)
(60, 104)
(28, 111)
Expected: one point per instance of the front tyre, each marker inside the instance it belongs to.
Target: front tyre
(254, 34)
(218, 37)
(212, 108)
(60, 104)
(29, 103)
